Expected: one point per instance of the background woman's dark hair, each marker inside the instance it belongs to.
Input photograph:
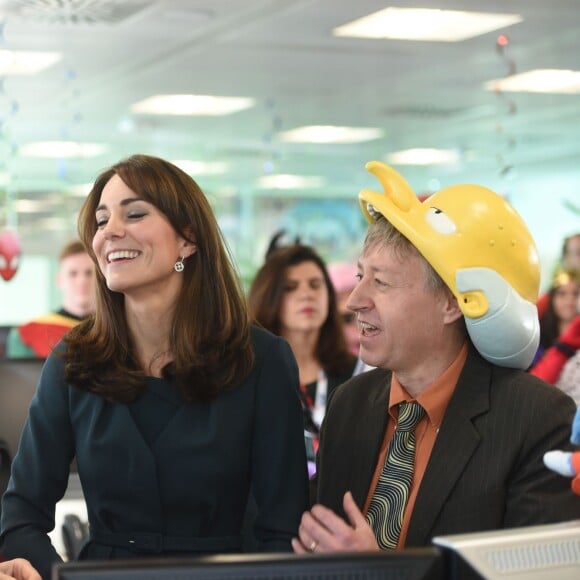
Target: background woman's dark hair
(265, 299)
(549, 321)
(210, 335)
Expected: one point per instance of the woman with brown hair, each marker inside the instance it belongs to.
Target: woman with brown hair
(292, 296)
(173, 404)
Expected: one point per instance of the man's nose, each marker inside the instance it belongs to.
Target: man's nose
(358, 299)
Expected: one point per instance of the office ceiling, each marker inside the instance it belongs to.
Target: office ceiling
(282, 54)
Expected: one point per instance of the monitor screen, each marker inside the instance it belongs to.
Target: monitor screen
(409, 564)
(550, 551)
(18, 380)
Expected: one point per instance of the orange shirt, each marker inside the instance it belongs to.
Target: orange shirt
(434, 399)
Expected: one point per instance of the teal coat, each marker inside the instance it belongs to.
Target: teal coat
(180, 490)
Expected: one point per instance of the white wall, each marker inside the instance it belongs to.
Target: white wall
(31, 292)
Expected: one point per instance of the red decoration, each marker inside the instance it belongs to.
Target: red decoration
(9, 254)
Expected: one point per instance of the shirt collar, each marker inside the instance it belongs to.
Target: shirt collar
(436, 396)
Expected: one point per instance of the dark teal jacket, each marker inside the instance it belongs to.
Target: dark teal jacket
(184, 492)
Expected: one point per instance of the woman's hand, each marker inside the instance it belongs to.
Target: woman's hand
(18, 569)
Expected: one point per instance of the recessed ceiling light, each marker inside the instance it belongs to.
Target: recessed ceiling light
(425, 24)
(330, 134)
(538, 81)
(20, 62)
(201, 167)
(54, 223)
(34, 205)
(61, 149)
(80, 189)
(286, 181)
(191, 105)
(423, 156)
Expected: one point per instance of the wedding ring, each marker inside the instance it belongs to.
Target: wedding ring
(313, 545)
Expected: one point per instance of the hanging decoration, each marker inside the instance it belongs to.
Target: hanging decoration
(506, 167)
(9, 254)
(271, 152)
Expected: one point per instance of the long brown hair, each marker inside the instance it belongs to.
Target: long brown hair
(210, 335)
(265, 301)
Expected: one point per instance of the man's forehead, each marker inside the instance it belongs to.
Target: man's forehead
(379, 256)
(75, 262)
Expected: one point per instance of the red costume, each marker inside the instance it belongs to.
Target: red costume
(42, 334)
(551, 364)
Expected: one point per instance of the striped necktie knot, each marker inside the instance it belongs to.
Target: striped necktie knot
(409, 415)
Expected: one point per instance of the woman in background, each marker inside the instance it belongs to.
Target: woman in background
(560, 310)
(559, 362)
(292, 296)
(174, 406)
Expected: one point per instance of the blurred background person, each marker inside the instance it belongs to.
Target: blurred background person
(292, 296)
(344, 280)
(560, 310)
(75, 279)
(571, 253)
(343, 276)
(560, 364)
(569, 261)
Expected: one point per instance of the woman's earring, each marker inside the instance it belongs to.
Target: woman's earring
(179, 266)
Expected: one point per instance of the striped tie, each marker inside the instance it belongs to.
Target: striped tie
(385, 513)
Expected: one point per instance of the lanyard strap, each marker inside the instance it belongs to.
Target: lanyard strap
(319, 408)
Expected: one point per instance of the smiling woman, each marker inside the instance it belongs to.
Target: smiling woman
(173, 404)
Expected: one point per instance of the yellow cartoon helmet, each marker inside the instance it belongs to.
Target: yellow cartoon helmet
(482, 250)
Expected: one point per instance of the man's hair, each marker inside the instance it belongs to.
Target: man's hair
(383, 233)
(73, 248)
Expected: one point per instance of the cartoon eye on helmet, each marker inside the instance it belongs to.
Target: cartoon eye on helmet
(483, 251)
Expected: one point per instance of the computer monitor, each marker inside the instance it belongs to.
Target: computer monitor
(409, 564)
(18, 380)
(550, 551)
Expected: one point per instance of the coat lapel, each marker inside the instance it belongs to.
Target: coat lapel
(456, 442)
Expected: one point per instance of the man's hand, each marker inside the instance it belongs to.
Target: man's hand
(18, 569)
(321, 530)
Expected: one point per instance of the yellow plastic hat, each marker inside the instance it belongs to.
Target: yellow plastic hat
(482, 250)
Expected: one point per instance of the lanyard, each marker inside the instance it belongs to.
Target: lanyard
(319, 408)
(316, 409)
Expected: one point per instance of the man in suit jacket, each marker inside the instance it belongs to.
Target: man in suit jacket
(446, 311)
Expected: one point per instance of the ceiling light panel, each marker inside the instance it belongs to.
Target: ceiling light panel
(201, 167)
(207, 105)
(330, 134)
(425, 156)
(538, 81)
(61, 149)
(287, 181)
(425, 24)
(19, 62)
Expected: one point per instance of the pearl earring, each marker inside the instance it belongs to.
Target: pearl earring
(179, 266)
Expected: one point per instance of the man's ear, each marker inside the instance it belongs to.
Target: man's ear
(451, 310)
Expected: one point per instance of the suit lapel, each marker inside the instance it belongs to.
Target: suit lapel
(371, 426)
(456, 442)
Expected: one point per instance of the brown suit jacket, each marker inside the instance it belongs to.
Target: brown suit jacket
(485, 471)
